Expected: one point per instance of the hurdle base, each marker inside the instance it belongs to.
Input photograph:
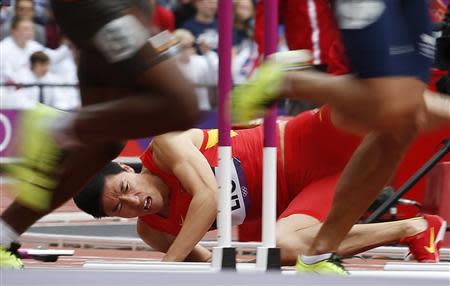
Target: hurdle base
(224, 259)
(268, 259)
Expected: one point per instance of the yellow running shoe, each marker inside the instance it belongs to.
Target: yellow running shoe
(251, 100)
(39, 157)
(332, 265)
(9, 258)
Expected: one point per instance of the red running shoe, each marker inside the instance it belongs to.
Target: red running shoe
(425, 246)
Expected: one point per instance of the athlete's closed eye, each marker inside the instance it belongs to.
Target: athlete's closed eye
(117, 208)
(122, 189)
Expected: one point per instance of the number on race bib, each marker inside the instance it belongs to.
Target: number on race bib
(239, 193)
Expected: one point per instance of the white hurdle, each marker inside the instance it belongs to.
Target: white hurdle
(398, 266)
(268, 256)
(224, 256)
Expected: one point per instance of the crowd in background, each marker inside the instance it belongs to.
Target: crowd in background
(34, 52)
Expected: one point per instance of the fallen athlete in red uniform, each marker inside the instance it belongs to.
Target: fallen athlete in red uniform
(175, 194)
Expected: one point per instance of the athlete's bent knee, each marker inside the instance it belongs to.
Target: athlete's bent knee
(288, 249)
(398, 102)
(396, 142)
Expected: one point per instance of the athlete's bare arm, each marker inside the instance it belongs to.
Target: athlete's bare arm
(177, 153)
(160, 241)
(154, 238)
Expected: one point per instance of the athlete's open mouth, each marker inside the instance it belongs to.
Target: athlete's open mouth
(147, 203)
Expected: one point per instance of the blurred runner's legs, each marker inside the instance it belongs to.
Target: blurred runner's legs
(128, 92)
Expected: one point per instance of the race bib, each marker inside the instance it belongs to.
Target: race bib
(121, 38)
(240, 199)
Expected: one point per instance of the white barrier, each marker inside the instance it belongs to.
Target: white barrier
(395, 266)
(392, 252)
(157, 266)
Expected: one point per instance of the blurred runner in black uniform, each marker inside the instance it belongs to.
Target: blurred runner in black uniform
(129, 90)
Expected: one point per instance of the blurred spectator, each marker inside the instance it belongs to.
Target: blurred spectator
(28, 97)
(163, 18)
(16, 49)
(437, 10)
(204, 24)
(39, 74)
(245, 50)
(67, 98)
(42, 10)
(243, 20)
(245, 61)
(308, 25)
(52, 31)
(26, 9)
(168, 3)
(200, 69)
(183, 10)
(6, 15)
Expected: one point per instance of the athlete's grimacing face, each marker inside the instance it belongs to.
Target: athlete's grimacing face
(129, 194)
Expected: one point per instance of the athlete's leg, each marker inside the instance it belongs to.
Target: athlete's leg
(380, 103)
(397, 25)
(295, 234)
(368, 172)
(132, 116)
(145, 91)
(136, 91)
(135, 113)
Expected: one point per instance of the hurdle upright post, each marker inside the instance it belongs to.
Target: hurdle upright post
(224, 256)
(268, 255)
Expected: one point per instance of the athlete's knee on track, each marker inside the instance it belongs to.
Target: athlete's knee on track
(287, 250)
(289, 247)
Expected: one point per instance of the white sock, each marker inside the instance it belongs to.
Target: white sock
(314, 258)
(7, 234)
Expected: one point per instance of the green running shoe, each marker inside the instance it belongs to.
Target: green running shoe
(39, 156)
(332, 265)
(251, 100)
(9, 258)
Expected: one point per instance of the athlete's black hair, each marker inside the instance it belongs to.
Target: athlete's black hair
(89, 199)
